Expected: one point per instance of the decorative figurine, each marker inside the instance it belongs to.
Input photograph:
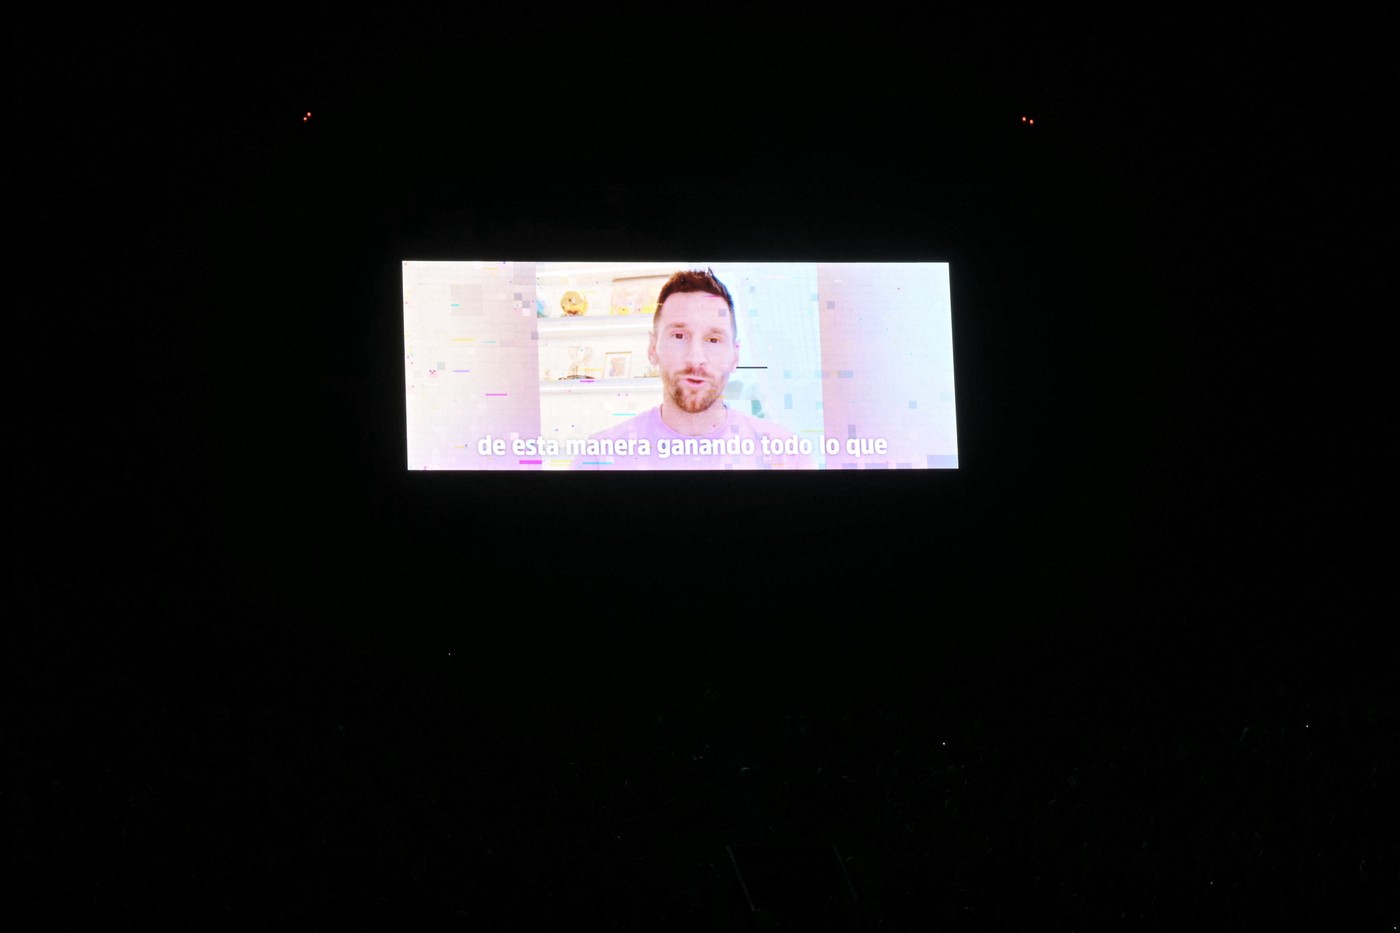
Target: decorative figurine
(579, 360)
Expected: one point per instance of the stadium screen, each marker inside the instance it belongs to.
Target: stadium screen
(688, 365)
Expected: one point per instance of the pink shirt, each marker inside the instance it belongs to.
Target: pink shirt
(738, 445)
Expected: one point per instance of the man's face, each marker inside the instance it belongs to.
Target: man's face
(693, 346)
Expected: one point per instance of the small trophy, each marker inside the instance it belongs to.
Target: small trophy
(579, 359)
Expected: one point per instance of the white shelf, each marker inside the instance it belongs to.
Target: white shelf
(580, 386)
(598, 325)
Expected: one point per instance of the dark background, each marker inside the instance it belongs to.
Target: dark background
(1125, 667)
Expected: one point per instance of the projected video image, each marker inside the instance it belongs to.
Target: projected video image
(687, 365)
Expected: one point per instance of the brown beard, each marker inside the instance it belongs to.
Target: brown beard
(693, 401)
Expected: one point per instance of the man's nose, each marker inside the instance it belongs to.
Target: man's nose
(695, 353)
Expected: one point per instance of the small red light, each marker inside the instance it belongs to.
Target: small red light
(1031, 122)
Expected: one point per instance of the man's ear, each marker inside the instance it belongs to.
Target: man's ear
(651, 349)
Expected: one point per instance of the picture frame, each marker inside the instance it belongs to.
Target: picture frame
(617, 365)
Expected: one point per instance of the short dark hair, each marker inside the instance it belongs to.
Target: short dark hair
(693, 280)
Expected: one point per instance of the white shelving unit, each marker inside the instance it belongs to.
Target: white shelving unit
(577, 408)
